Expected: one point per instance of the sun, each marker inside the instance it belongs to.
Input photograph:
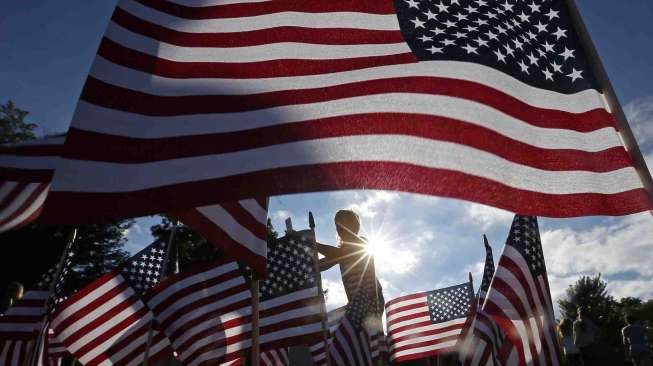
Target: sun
(379, 247)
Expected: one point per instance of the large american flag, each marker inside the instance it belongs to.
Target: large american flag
(519, 298)
(107, 323)
(26, 170)
(428, 323)
(192, 104)
(488, 272)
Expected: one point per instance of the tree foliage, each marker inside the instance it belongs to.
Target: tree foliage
(13, 127)
(588, 292)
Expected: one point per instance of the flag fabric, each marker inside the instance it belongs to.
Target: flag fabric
(15, 352)
(488, 272)
(107, 323)
(275, 357)
(26, 171)
(239, 229)
(290, 310)
(483, 345)
(318, 349)
(428, 323)
(356, 341)
(519, 298)
(191, 105)
(205, 312)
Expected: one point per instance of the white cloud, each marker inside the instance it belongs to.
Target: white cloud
(282, 214)
(640, 116)
(487, 217)
(621, 250)
(336, 296)
(372, 202)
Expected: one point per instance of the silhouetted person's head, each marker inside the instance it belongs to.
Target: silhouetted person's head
(630, 319)
(581, 312)
(347, 225)
(565, 327)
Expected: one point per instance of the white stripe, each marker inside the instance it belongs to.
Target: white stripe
(264, 52)
(507, 307)
(418, 300)
(213, 354)
(106, 177)
(428, 338)
(114, 122)
(290, 314)
(136, 326)
(192, 280)
(5, 189)
(252, 206)
(408, 322)
(291, 332)
(232, 227)
(400, 314)
(47, 141)
(212, 338)
(573, 103)
(36, 204)
(283, 19)
(434, 347)
(82, 302)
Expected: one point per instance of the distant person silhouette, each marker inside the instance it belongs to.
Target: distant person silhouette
(571, 352)
(635, 342)
(585, 336)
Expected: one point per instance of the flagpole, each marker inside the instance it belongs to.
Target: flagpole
(256, 348)
(62, 260)
(612, 100)
(166, 259)
(323, 310)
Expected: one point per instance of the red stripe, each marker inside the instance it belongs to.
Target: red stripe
(245, 219)
(424, 313)
(425, 344)
(266, 311)
(171, 280)
(110, 96)
(220, 239)
(262, 69)
(67, 207)
(77, 296)
(328, 36)
(127, 150)
(269, 7)
(217, 344)
(504, 322)
(31, 150)
(12, 196)
(26, 175)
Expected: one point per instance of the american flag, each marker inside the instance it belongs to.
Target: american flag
(488, 272)
(428, 323)
(519, 299)
(22, 324)
(26, 170)
(205, 313)
(275, 357)
(358, 340)
(318, 349)
(483, 345)
(239, 229)
(188, 105)
(290, 311)
(107, 323)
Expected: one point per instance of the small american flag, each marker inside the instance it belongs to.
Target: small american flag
(290, 309)
(488, 272)
(205, 312)
(239, 229)
(212, 102)
(26, 170)
(275, 357)
(106, 323)
(519, 298)
(484, 342)
(428, 323)
(318, 349)
(358, 340)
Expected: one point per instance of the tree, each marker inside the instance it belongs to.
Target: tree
(13, 127)
(590, 293)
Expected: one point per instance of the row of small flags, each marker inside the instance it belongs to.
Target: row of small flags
(204, 314)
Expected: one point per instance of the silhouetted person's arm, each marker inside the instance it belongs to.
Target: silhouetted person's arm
(331, 256)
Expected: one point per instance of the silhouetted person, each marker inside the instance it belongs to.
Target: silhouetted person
(635, 342)
(13, 293)
(356, 265)
(571, 352)
(585, 337)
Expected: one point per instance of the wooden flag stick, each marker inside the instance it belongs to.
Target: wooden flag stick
(598, 70)
(53, 284)
(256, 347)
(318, 274)
(166, 259)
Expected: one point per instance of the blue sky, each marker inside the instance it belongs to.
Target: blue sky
(47, 48)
